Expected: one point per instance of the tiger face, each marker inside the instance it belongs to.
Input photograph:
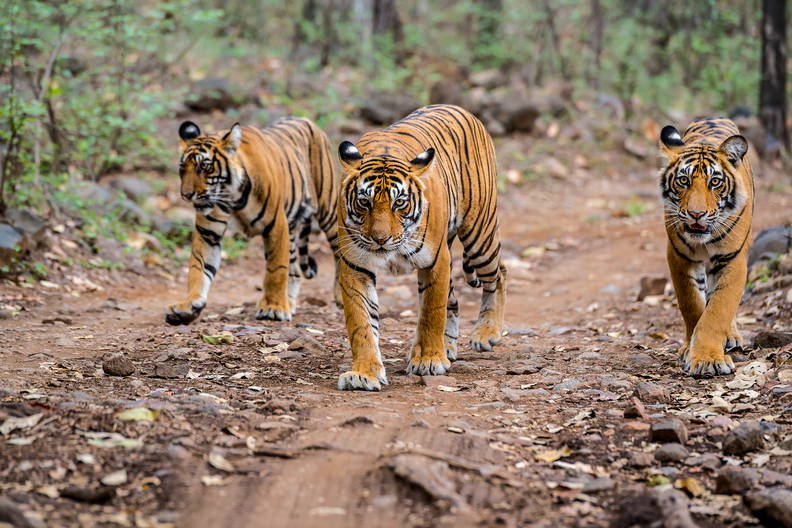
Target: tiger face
(209, 170)
(383, 199)
(700, 186)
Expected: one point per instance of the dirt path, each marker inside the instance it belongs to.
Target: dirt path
(532, 434)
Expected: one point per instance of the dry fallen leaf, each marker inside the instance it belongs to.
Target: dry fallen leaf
(691, 486)
(138, 414)
(213, 480)
(552, 455)
(218, 461)
(26, 422)
(446, 388)
(116, 478)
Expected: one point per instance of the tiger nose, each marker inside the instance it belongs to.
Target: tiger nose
(381, 239)
(188, 195)
(697, 214)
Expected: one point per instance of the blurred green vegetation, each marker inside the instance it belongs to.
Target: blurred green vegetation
(88, 86)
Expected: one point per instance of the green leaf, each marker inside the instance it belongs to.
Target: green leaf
(138, 414)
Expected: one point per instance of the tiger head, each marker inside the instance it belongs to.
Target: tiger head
(383, 198)
(701, 186)
(211, 175)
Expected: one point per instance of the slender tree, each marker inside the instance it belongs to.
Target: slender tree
(772, 87)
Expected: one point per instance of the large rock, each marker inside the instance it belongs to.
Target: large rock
(659, 508)
(770, 242)
(135, 188)
(671, 430)
(212, 93)
(773, 506)
(734, 480)
(27, 222)
(386, 108)
(652, 393)
(745, 438)
(12, 243)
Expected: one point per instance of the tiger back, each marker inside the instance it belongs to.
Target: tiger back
(274, 181)
(708, 197)
(408, 191)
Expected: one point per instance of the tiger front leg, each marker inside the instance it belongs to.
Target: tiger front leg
(689, 284)
(274, 304)
(361, 311)
(428, 356)
(204, 263)
(716, 326)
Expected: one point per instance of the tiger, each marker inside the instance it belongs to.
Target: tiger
(407, 192)
(274, 182)
(708, 199)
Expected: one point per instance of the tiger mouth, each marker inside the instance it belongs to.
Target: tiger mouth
(697, 229)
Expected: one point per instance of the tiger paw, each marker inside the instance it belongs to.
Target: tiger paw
(733, 340)
(425, 363)
(273, 312)
(183, 313)
(701, 360)
(309, 268)
(485, 335)
(357, 380)
(452, 350)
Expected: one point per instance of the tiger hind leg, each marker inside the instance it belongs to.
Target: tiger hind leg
(307, 262)
(293, 285)
(489, 327)
(452, 324)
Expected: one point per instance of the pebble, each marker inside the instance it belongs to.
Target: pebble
(745, 438)
(118, 365)
(614, 413)
(591, 356)
(669, 430)
(307, 344)
(772, 506)
(668, 471)
(636, 426)
(434, 381)
(567, 385)
(641, 459)
(651, 393)
(523, 366)
(734, 480)
(707, 461)
(671, 452)
(598, 484)
(170, 370)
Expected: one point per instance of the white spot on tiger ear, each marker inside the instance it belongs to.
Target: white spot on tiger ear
(351, 150)
(422, 155)
(674, 136)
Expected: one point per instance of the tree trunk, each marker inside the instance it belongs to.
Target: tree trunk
(386, 21)
(772, 87)
(597, 21)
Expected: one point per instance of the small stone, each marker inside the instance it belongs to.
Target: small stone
(523, 366)
(641, 459)
(614, 413)
(668, 471)
(651, 286)
(118, 365)
(434, 381)
(706, 461)
(772, 339)
(669, 430)
(745, 438)
(636, 426)
(567, 385)
(736, 480)
(671, 452)
(308, 345)
(651, 393)
(597, 485)
(772, 506)
(170, 370)
(290, 354)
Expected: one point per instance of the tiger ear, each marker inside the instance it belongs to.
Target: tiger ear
(350, 155)
(670, 141)
(232, 139)
(735, 148)
(422, 162)
(188, 131)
